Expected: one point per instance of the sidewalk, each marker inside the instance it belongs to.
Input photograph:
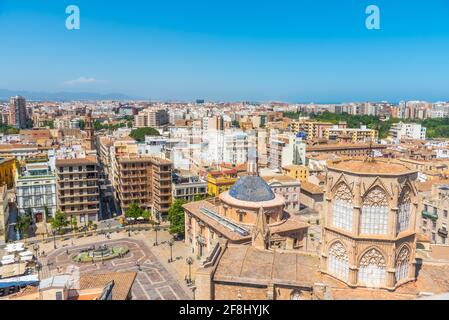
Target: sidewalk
(178, 268)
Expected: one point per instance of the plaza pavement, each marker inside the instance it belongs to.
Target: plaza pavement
(158, 279)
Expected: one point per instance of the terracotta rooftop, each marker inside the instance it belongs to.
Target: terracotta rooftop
(78, 161)
(311, 188)
(123, 282)
(371, 167)
(13, 146)
(247, 264)
(280, 178)
(340, 146)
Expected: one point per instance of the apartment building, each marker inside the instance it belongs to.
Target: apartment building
(434, 218)
(77, 188)
(8, 170)
(4, 214)
(18, 116)
(143, 180)
(220, 181)
(314, 129)
(36, 189)
(412, 131)
(186, 186)
(287, 187)
(285, 149)
(151, 118)
(298, 172)
(363, 134)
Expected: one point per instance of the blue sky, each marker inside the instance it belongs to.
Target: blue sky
(297, 51)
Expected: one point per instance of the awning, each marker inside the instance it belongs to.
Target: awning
(25, 253)
(26, 258)
(9, 261)
(19, 281)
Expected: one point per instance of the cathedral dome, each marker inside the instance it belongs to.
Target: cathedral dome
(251, 188)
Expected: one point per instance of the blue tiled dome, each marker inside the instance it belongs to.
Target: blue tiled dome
(251, 188)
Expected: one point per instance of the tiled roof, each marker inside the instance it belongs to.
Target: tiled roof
(247, 264)
(123, 282)
(251, 188)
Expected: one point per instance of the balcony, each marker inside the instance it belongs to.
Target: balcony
(430, 215)
(442, 232)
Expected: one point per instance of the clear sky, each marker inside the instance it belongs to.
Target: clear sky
(297, 51)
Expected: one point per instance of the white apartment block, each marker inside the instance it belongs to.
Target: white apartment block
(285, 149)
(408, 131)
(36, 190)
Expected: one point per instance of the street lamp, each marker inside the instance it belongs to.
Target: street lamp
(193, 292)
(54, 239)
(171, 243)
(189, 261)
(156, 229)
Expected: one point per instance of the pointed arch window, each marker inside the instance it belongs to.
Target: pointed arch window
(402, 264)
(342, 208)
(338, 262)
(374, 218)
(372, 269)
(404, 210)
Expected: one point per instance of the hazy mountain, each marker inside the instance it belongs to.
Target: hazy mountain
(62, 96)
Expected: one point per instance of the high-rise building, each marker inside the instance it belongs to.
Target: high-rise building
(77, 188)
(151, 118)
(17, 112)
(143, 180)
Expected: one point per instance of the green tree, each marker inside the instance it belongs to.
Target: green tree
(49, 123)
(47, 213)
(133, 211)
(140, 133)
(73, 223)
(146, 214)
(23, 224)
(199, 197)
(59, 221)
(176, 217)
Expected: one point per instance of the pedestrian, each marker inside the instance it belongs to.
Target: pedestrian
(67, 251)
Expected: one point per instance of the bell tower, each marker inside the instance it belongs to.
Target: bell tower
(89, 128)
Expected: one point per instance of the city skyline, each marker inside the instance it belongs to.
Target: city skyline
(295, 52)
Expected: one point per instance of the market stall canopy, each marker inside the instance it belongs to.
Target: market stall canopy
(19, 281)
(25, 253)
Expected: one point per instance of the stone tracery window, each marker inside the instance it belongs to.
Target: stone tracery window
(402, 264)
(372, 269)
(374, 218)
(338, 262)
(342, 208)
(404, 210)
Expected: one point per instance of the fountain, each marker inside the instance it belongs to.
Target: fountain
(101, 253)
